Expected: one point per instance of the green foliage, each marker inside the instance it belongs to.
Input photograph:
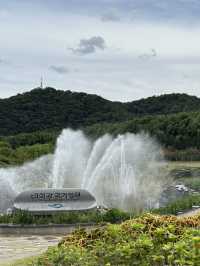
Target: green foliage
(147, 240)
(183, 204)
(27, 153)
(113, 215)
(48, 108)
(26, 147)
(21, 262)
(42, 109)
(188, 154)
(95, 216)
(9, 156)
(193, 183)
(29, 139)
(164, 104)
(178, 131)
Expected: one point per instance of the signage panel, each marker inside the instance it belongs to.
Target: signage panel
(54, 200)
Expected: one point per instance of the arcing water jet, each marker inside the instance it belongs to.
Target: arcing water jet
(123, 172)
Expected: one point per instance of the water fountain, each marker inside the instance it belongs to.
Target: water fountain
(123, 171)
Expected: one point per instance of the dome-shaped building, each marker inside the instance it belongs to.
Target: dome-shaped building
(42, 201)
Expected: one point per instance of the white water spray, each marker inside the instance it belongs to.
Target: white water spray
(122, 172)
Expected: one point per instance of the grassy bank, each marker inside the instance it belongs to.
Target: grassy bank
(21, 262)
(147, 240)
(183, 204)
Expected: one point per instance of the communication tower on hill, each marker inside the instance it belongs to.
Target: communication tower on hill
(41, 83)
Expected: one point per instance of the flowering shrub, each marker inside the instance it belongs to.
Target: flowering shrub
(146, 240)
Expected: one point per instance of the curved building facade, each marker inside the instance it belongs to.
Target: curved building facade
(54, 200)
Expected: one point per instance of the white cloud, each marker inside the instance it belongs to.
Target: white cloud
(110, 15)
(148, 55)
(118, 73)
(59, 69)
(89, 46)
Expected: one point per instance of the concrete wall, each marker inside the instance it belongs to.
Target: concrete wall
(58, 229)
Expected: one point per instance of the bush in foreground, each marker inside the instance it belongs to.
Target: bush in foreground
(147, 240)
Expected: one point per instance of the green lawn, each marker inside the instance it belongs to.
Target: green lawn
(179, 164)
(21, 262)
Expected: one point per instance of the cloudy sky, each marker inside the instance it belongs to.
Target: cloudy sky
(120, 49)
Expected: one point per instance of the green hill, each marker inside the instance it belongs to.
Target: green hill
(164, 104)
(48, 108)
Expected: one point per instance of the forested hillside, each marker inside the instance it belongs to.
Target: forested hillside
(179, 134)
(31, 122)
(48, 108)
(164, 104)
(179, 131)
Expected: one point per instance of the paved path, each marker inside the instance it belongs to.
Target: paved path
(20, 247)
(190, 213)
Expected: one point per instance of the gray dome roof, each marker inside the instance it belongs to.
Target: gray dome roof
(54, 200)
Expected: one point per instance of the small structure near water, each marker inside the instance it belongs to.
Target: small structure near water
(48, 201)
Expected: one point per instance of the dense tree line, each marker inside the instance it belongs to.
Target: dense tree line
(164, 104)
(179, 134)
(31, 122)
(54, 109)
(10, 156)
(178, 131)
(28, 139)
(42, 109)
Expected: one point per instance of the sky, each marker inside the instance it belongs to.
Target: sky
(122, 50)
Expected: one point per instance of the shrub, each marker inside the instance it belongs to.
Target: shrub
(183, 204)
(147, 240)
(93, 216)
